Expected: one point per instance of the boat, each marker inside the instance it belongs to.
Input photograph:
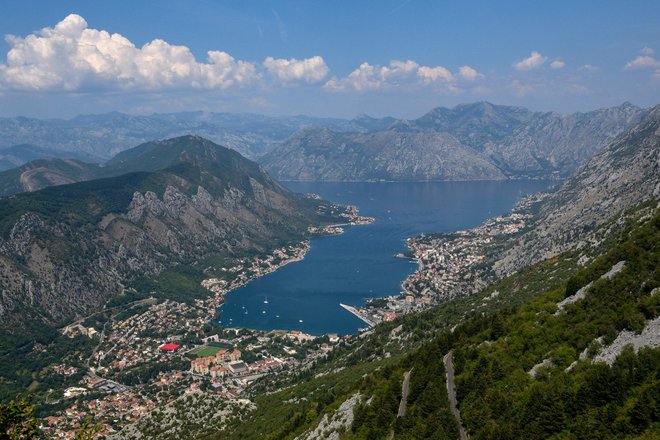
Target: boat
(263, 311)
(277, 316)
(266, 300)
(300, 320)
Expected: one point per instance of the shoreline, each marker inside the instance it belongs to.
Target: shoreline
(217, 287)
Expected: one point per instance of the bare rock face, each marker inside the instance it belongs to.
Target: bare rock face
(469, 142)
(67, 250)
(625, 173)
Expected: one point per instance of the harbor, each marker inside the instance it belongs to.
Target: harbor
(359, 315)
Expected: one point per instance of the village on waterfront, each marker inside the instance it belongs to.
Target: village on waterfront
(154, 352)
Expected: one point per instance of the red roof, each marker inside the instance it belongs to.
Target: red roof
(169, 347)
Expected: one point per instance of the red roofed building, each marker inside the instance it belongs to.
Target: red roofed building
(169, 347)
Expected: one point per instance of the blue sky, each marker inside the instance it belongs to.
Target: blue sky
(323, 58)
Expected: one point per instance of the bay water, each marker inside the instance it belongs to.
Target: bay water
(361, 263)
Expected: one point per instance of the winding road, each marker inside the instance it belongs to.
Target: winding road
(451, 391)
(405, 388)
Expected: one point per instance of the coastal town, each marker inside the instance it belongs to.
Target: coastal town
(449, 265)
(156, 351)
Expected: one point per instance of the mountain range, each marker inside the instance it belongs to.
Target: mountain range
(468, 142)
(478, 141)
(65, 250)
(99, 137)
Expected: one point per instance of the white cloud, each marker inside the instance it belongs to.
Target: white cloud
(432, 74)
(642, 62)
(468, 73)
(557, 64)
(72, 56)
(371, 77)
(310, 70)
(588, 68)
(533, 61)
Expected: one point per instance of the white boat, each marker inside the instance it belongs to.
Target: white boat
(300, 320)
(266, 300)
(263, 311)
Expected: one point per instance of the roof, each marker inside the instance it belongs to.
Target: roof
(169, 347)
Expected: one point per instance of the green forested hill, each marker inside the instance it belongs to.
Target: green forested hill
(493, 352)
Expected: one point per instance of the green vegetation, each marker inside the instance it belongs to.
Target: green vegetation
(499, 339)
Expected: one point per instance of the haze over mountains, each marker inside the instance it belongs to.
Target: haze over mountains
(101, 136)
(469, 142)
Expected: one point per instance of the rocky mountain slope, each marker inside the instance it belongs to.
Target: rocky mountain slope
(321, 154)
(625, 173)
(468, 142)
(65, 250)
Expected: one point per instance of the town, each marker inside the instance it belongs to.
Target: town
(449, 265)
(155, 351)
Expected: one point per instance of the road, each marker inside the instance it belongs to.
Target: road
(405, 388)
(451, 391)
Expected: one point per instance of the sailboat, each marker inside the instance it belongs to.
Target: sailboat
(266, 300)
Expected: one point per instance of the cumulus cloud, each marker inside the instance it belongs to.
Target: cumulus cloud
(73, 56)
(468, 73)
(533, 61)
(642, 62)
(557, 64)
(310, 70)
(371, 77)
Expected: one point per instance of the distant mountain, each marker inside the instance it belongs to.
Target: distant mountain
(105, 135)
(625, 173)
(468, 142)
(17, 155)
(65, 250)
(322, 154)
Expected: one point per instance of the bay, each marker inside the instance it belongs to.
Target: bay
(360, 263)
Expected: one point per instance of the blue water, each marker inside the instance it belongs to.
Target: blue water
(360, 263)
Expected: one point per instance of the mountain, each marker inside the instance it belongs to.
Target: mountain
(321, 154)
(66, 250)
(42, 173)
(104, 135)
(16, 155)
(625, 173)
(468, 142)
(560, 346)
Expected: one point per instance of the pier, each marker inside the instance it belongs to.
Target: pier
(359, 315)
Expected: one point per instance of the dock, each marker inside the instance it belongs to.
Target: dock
(359, 315)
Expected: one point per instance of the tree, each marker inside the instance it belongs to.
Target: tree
(17, 420)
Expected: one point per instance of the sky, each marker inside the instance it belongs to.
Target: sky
(324, 58)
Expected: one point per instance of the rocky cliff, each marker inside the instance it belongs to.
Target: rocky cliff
(625, 173)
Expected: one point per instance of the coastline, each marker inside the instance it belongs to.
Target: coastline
(220, 287)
